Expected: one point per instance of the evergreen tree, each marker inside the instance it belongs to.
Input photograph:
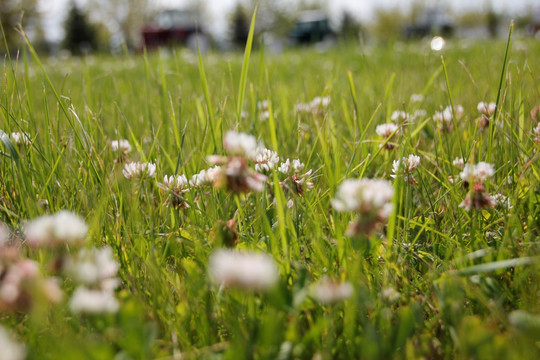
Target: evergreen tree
(239, 26)
(80, 34)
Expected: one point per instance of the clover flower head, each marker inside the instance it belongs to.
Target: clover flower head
(11, 349)
(458, 162)
(240, 144)
(123, 146)
(328, 291)
(91, 301)
(417, 98)
(64, 227)
(478, 173)
(266, 160)
(176, 182)
(21, 138)
(138, 170)
(246, 270)
(485, 108)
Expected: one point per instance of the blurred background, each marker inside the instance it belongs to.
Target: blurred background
(111, 26)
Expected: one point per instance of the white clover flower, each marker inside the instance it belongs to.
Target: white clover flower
(485, 108)
(319, 102)
(405, 166)
(240, 144)
(458, 162)
(93, 302)
(123, 146)
(328, 291)
(51, 230)
(134, 170)
(13, 280)
(285, 167)
(370, 199)
(399, 115)
(266, 160)
(303, 108)
(536, 130)
(417, 98)
(9, 348)
(175, 182)
(390, 295)
(247, 270)
(298, 165)
(205, 177)
(93, 266)
(501, 200)
(478, 173)
(420, 113)
(386, 130)
(21, 138)
(262, 105)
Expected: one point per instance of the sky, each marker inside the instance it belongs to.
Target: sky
(54, 10)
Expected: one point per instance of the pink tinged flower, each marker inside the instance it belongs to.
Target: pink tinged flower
(93, 302)
(477, 199)
(329, 291)
(137, 170)
(123, 146)
(10, 349)
(64, 227)
(246, 270)
(4, 235)
(405, 167)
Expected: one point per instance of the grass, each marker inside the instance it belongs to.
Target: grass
(467, 280)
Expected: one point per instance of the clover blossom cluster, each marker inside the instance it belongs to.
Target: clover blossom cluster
(536, 132)
(10, 349)
(329, 291)
(246, 270)
(62, 228)
(95, 270)
(21, 138)
(388, 131)
(370, 199)
(139, 170)
(295, 181)
(445, 118)
(486, 110)
(474, 176)
(315, 106)
(405, 166)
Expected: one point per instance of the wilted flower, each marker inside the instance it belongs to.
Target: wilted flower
(240, 144)
(247, 270)
(388, 131)
(370, 199)
(21, 138)
(64, 227)
(478, 173)
(477, 198)
(139, 170)
(265, 160)
(10, 349)
(121, 146)
(94, 302)
(405, 167)
(329, 291)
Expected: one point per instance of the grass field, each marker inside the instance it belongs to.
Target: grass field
(423, 265)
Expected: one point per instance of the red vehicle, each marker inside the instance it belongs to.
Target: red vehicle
(173, 28)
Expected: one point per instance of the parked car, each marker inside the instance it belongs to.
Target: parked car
(311, 27)
(433, 21)
(173, 28)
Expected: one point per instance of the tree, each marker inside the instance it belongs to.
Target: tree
(12, 14)
(80, 34)
(350, 27)
(239, 26)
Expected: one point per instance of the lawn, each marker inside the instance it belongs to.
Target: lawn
(418, 239)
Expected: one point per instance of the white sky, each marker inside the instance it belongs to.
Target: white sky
(54, 10)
